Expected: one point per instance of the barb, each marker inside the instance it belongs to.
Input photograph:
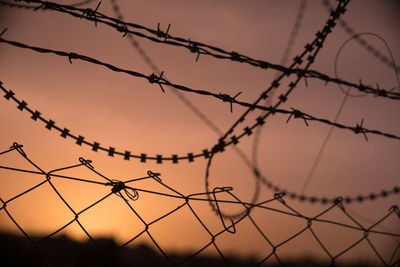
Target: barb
(153, 78)
(228, 98)
(297, 114)
(161, 34)
(359, 129)
(91, 14)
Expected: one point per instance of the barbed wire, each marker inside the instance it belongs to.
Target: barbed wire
(294, 195)
(323, 146)
(9, 4)
(362, 42)
(301, 197)
(190, 105)
(50, 124)
(340, 109)
(295, 114)
(66, 133)
(306, 198)
(201, 48)
(396, 73)
(316, 44)
(111, 151)
(129, 193)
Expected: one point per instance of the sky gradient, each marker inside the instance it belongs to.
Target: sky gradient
(129, 113)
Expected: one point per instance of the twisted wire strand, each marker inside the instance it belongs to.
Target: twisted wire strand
(200, 48)
(9, 4)
(127, 155)
(118, 186)
(247, 130)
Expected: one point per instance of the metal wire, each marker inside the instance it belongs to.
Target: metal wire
(129, 188)
(159, 36)
(128, 192)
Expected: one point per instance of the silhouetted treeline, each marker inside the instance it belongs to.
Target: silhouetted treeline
(62, 251)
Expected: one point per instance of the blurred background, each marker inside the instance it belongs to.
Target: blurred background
(128, 113)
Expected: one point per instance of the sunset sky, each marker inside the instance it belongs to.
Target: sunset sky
(131, 114)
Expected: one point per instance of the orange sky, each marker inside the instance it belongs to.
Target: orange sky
(129, 113)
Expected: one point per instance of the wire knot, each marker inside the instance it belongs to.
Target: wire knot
(220, 147)
(236, 57)
(194, 49)
(359, 129)
(162, 34)
(4, 204)
(18, 147)
(381, 92)
(154, 175)
(153, 78)
(361, 86)
(118, 186)
(339, 202)
(309, 222)
(71, 56)
(86, 162)
(91, 14)
(228, 98)
(297, 114)
(122, 28)
(279, 196)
